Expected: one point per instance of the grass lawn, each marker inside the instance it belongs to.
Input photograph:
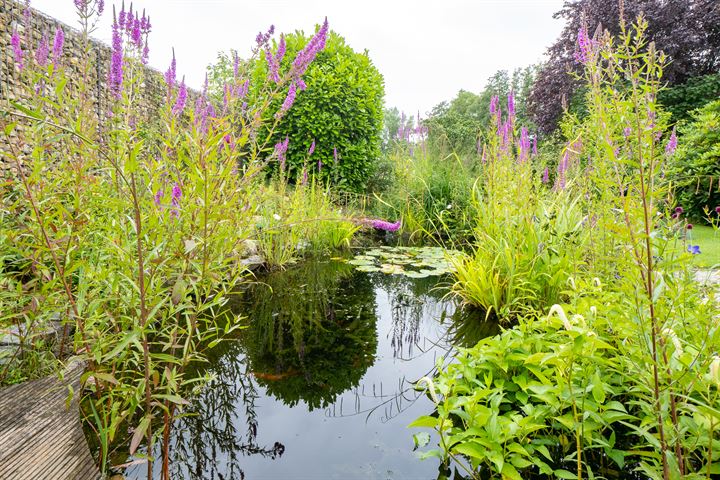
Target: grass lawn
(709, 242)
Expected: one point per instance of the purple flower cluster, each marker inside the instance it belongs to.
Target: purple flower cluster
(58, 43)
(281, 151)
(17, 49)
(171, 73)
(300, 65)
(311, 150)
(672, 143)
(137, 29)
(524, 145)
(385, 225)
(42, 52)
(175, 199)
(262, 39)
(546, 175)
(181, 99)
(562, 168)
(583, 51)
(115, 74)
(273, 61)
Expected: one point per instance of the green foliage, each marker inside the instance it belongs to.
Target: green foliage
(695, 168)
(432, 194)
(622, 376)
(303, 219)
(342, 108)
(455, 126)
(683, 99)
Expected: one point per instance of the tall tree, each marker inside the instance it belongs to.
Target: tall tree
(688, 31)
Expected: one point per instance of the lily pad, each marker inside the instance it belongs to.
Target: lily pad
(414, 262)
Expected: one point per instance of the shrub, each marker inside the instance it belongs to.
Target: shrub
(695, 168)
(340, 111)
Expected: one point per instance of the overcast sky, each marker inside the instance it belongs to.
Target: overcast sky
(427, 50)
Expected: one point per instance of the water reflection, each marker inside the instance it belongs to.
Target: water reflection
(321, 382)
(312, 332)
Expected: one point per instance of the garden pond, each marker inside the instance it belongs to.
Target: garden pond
(321, 382)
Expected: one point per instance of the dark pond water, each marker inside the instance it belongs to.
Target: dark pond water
(320, 383)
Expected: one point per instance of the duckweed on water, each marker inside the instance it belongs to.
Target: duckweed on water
(413, 262)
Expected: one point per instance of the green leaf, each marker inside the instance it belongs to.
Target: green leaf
(425, 421)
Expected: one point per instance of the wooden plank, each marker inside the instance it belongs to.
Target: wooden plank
(40, 438)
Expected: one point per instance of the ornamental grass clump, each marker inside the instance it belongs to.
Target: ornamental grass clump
(127, 222)
(528, 238)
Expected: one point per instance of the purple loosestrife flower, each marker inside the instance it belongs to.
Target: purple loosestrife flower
(524, 145)
(236, 64)
(171, 74)
(307, 54)
(58, 44)
(121, 17)
(511, 104)
(386, 226)
(115, 75)
(42, 52)
(242, 90)
(672, 143)
(494, 104)
(304, 177)
(319, 165)
(280, 151)
(335, 157)
(158, 197)
(583, 49)
(176, 195)
(289, 100)
(546, 175)
(180, 100)
(17, 49)
(694, 249)
(311, 150)
(100, 7)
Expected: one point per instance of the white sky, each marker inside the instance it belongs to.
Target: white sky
(426, 50)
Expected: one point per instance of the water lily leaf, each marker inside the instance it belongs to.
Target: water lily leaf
(367, 268)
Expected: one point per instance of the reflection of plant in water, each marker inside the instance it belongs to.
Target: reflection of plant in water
(312, 333)
(470, 325)
(207, 441)
(409, 301)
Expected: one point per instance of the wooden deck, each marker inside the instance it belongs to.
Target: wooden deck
(40, 438)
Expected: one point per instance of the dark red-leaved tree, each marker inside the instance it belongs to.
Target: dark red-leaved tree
(688, 31)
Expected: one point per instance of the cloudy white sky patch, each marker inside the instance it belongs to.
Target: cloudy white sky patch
(426, 50)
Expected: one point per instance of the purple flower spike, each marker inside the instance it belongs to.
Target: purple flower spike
(100, 7)
(181, 99)
(511, 104)
(42, 52)
(494, 104)
(17, 49)
(281, 150)
(115, 75)
(289, 100)
(319, 165)
(311, 150)
(307, 54)
(58, 43)
(694, 249)
(158, 197)
(546, 175)
(584, 46)
(672, 143)
(170, 75)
